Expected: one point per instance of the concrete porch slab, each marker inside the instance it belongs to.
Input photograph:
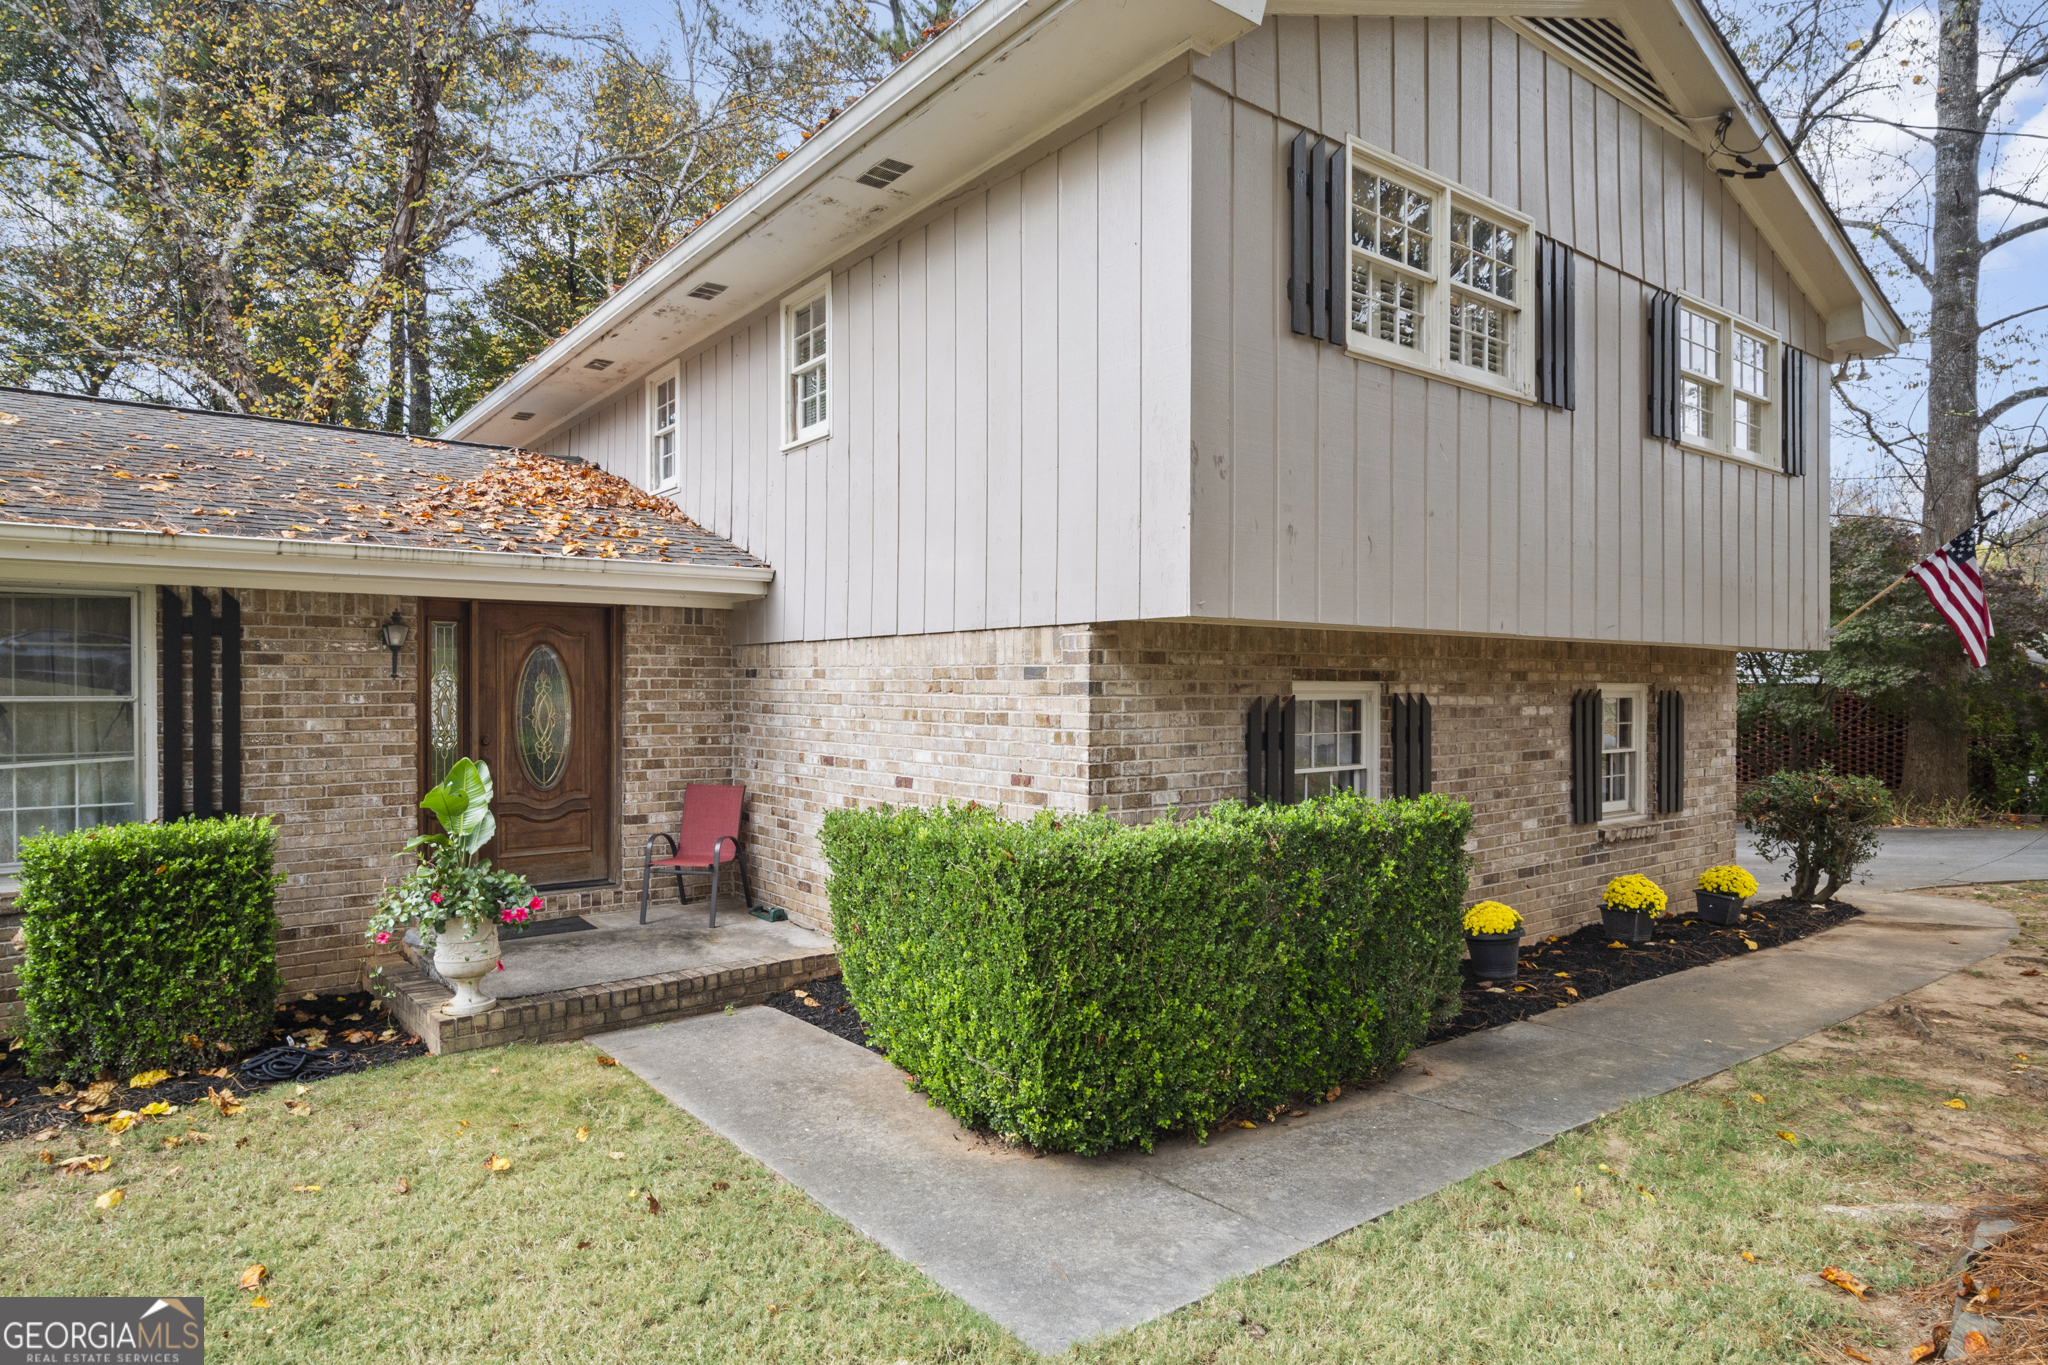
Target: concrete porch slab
(569, 985)
(1062, 1248)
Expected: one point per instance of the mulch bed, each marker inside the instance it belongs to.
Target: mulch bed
(322, 1022)
(1556, 971)
(1579, 966)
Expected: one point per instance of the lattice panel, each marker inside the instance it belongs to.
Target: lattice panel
(1867, 743)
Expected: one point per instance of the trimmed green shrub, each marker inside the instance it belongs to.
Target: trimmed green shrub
(147, 945)
(1087, 985)
(1827, 821)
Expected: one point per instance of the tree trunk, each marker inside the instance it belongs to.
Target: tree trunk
(418, 345)
(394, 382)
(1936, 753)
(1937, 762)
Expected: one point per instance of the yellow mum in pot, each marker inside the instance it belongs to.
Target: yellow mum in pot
(1492, 917)
(1728, 880)
(1636, 892)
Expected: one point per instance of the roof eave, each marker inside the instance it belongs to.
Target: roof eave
(95, 556)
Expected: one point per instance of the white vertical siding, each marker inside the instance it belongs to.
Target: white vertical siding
(1338, 492)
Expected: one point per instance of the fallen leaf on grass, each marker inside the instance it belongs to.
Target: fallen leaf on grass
(228, 1105)
(404, 1185)
(653, 1204)
(305, 1189)
(1954, 1104)
(198, 1136)
(1792, 1138)
(500, 1163)
(1502, 1188)
(156, 1107)
(1983, 1298)
(110, 1200)
(1854, 1354)
(45, 1135)
(143, 1080)
(1750, 944)
(603, 1060)
(1758, 1098)
(720, 1185)
(583, 1246)
(299, 1107)
(618, 1156)
(79, 1165)
(1975, 1342)
(583, 1135)
(1842, 1279)
(1749, 1256)
(123, 1121)
(259, 1302)
(254, 1276)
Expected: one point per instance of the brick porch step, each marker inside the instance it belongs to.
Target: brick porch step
(417, 999)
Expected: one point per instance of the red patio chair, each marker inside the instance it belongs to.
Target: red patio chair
(709, 838)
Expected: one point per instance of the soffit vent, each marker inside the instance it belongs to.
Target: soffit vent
(883, 173)
(597, 364)
(707, 290)
(522, 417)
(1604, 48)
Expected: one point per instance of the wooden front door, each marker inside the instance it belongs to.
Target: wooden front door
(544, 722)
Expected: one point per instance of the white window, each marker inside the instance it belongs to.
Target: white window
(1621, 751)
(1724, 383)
(806, 331)
(1436, 280)
(1336, 738)
(661, 427)
(70, 665)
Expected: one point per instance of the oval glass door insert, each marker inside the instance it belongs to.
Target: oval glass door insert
(542, 705)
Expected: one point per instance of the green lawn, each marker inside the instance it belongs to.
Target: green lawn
(1622, 1241)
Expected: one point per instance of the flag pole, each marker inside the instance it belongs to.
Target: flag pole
(1872, 602)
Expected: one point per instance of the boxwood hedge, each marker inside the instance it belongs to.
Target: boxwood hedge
(1087, 985)
(146, 945)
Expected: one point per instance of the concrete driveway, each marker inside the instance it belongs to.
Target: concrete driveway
(1913, 858)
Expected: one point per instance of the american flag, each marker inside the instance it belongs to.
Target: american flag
(1957, 591)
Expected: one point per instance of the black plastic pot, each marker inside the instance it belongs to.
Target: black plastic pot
(1716, 908)
(1630, 926)
(1495, 957)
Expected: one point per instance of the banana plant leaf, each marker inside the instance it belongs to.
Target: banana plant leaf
(462, 803)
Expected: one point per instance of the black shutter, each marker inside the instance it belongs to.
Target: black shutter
(1670, 752)
(1556, 325)
(1409, 725)
(1269, 750)
(1663, 376)
(1319, 242)
(1282, 775)
(203, 629)
(1586, 717)
(1339, 299)
(1298, 268)
(1793, 406)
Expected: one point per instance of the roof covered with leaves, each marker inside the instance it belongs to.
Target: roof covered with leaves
(71, 461)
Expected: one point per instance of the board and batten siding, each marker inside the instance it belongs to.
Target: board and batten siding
(1336, 491)
(1009, 445)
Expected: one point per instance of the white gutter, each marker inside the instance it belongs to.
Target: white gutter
(32, 553)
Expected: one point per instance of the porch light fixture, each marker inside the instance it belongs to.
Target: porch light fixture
(395, 632)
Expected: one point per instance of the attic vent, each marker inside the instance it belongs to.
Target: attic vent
(883, 172)
(522, 417)
(707, 290)
(1606, 50)
(597, 364)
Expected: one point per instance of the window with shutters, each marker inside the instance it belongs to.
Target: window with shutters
(662, 406)
(1621, 751)
(1336, 738)
(1724, 383)
(1436, 277)
(806, 347)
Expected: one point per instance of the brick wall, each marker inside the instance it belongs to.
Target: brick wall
(1141, 718)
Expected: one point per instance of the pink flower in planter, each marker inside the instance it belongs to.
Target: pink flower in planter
(536, 903)
(384, 936)
(501, 964)
(434, 896)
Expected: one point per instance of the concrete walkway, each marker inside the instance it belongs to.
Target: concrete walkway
(1912, 858)
(1059, 1249)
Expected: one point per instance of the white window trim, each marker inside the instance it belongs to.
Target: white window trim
(1367, 695)
(1434, 358)
(672, 373)
(148, 742)
(1723, 443)
(792, 434)
(1636, 809)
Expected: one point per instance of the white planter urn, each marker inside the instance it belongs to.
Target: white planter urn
(464, 956)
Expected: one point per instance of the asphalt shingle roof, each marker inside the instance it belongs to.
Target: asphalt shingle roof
(72, 461)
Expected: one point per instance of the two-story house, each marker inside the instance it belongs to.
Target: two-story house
(1119, 406)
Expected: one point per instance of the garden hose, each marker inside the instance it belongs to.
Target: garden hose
(297, 1063)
